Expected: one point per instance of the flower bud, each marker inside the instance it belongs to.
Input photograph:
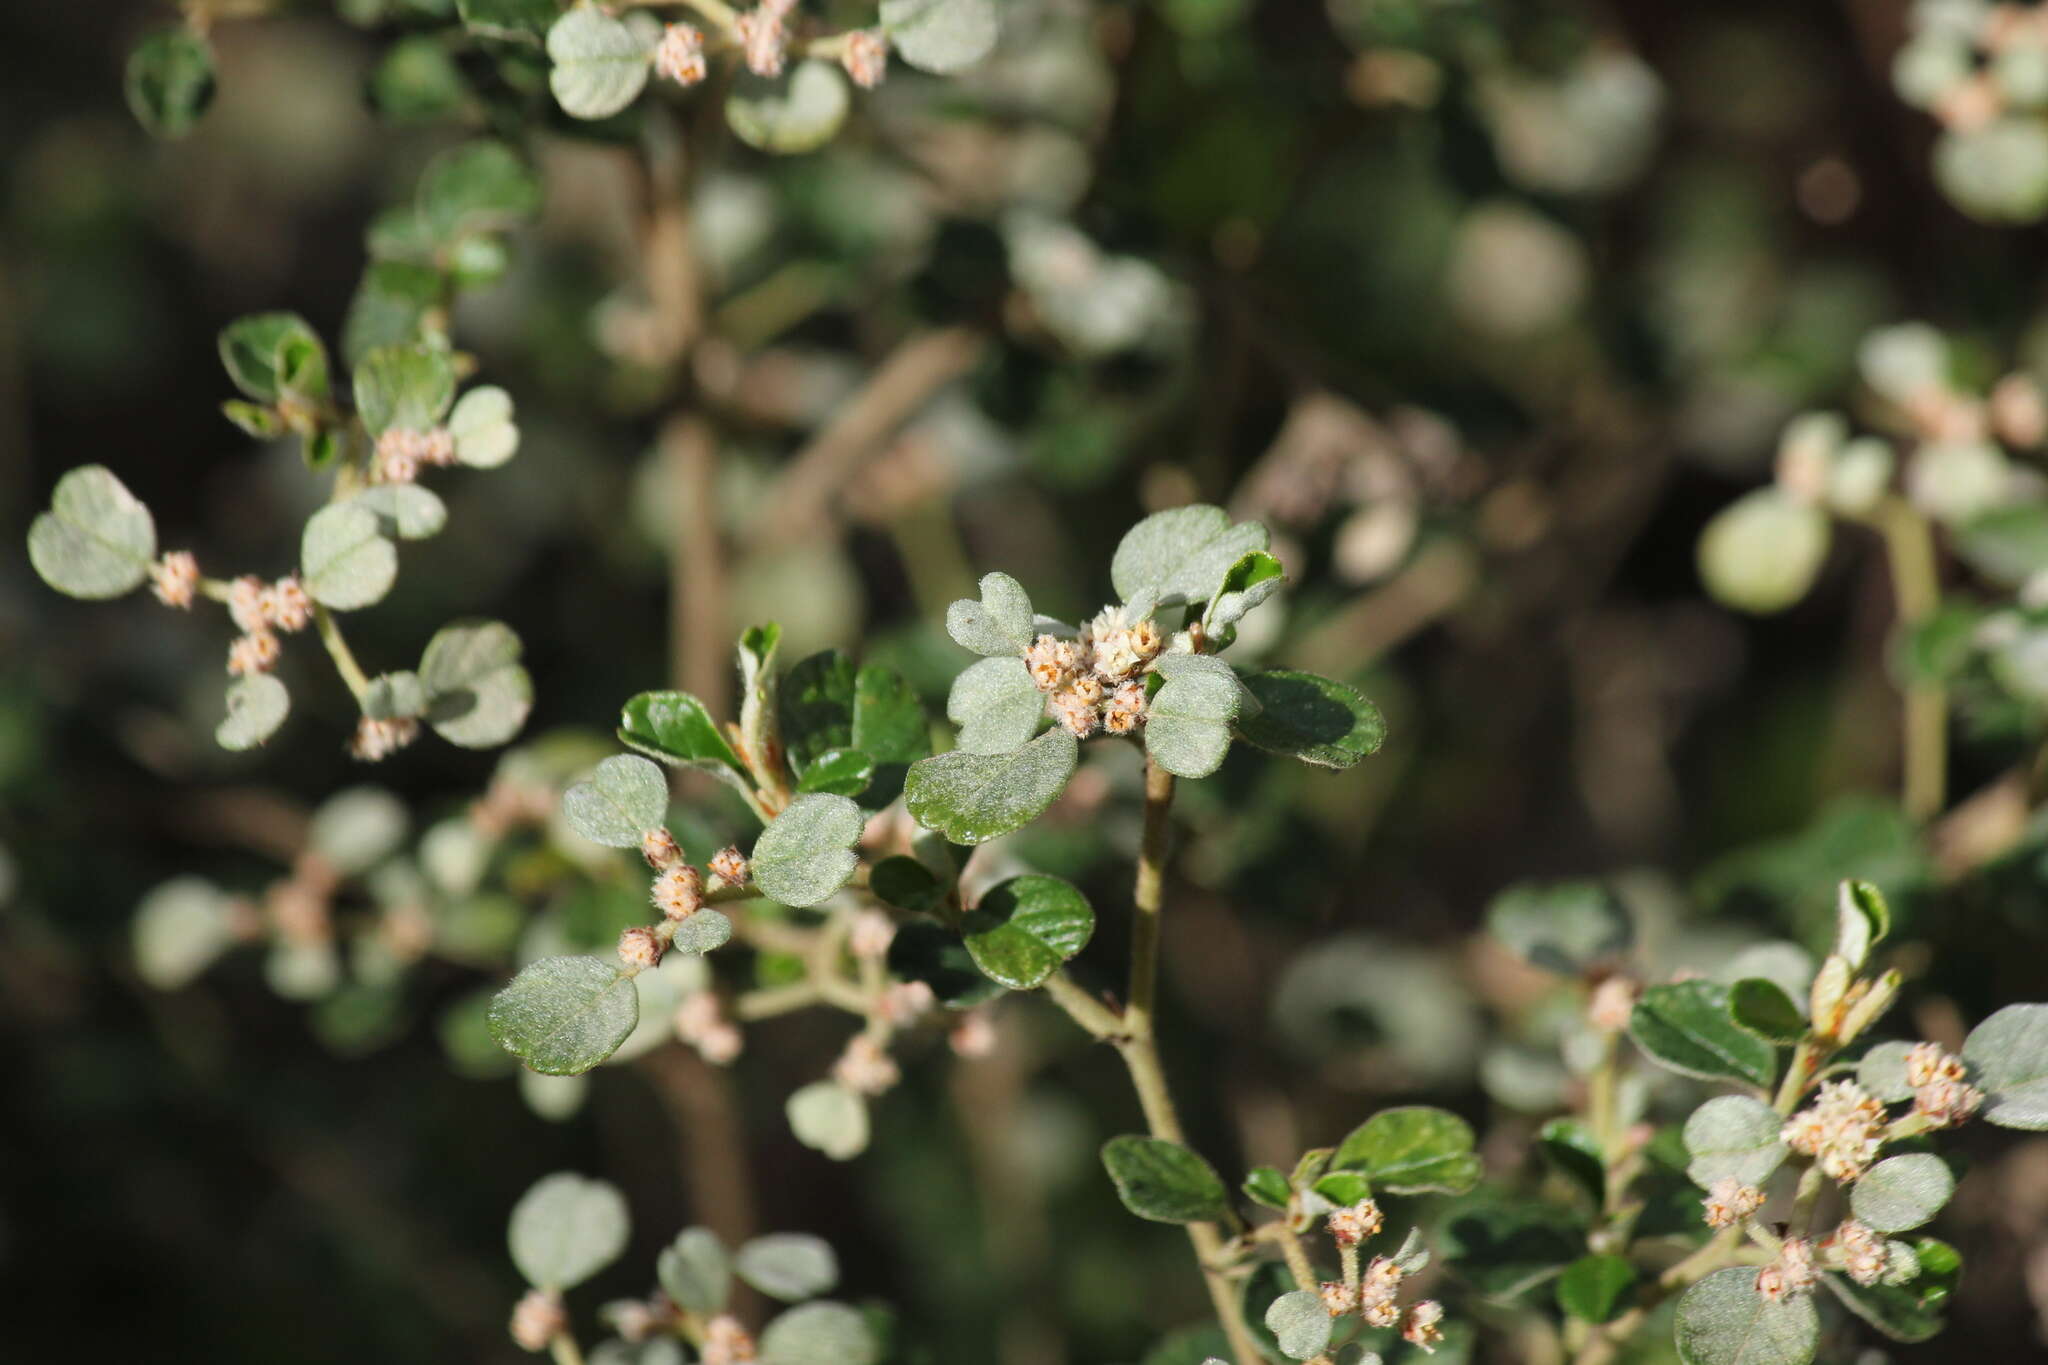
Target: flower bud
(538, 1319)
(175, 579)
(660, 849)
(1830, 985)
(680, 55)
(640, 947)
(729, 866)
(678, 891)
(1868, 1004)
(865, 57)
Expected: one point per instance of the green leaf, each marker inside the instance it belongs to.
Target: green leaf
(1300, 1323)
(907, 884)
(480, 186)
(1164, 1181)
(356, 829)
(344, 558)
(1733, 1136)
(1000, 624)
(477, 693)
(1266, 1185)
(996, 706)
(566, 1229)
(703, 932)
(890, 727)
(1882, 1072)
(1253, 579)
(509, 20)
(1596, 1288)
(1317, 720)
(940, 36)
(695, 1271)
(799, 111)
(169, 81)
(564, 1015)
(1026, 927)
(1181, 555)
(268, 354)
(815, 705)
(821, 1333)
(829, 1118)
(1572, 1147)
(97, 539)
(395, 696)
(675, 727)
(390, 303)
(1722, 1320)
(406, 386)
(257, 705)
(1902, 1192)
(1762, 552)
(624, 799)
(2006, 544)
(1563, 926)
(481, 423)
(1765, 1009)
(1343, 1188)
(790, 1266)
(1911, 1311)
(1412, 1150)
(806, 853)
(972, 798)
(181, 928)
(600, 64)
(1187, 723)
(1685, 1027)
(405, 510)
(838, 772)
(2009, 1055)
(418, 81)
(1862, 919)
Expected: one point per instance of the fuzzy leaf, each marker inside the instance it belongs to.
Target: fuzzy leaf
(406, 511)
(481, 423)
(600, 64)
(941, 36)
(703, 932)
(790, 1266)
(97, 539)
(1000, 623)
(1686, 1027)
(821, 1333)
(1300, 1323)
(257, 705)
(266, 352)
(676, 727)
(564, 1015)
(389, 304)
(889, 726)
(971, 798)
(695, 1271)
(1902, 1192)
(1722, 1320)
(806, 853)
(1026, 927)
(1164, 1181)
(169, 81)
(1253, 579)
(1181, 555)
(829, 1118)
(838, 772)
(1411, 1150)
(480, 186)
(404, 386)
(1565, 927)
(799, 111)
(1187, 724)
(996, 706)
(478, 694)
(1764, 1009)
(1733, 1136)
(625, 798)
(566, 1229)
(815, 704)
(1315, 719)
(344, 558)
(2008, 1053)
(395, 696)
(1596, 1288)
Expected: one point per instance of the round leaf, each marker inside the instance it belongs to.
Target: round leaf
(996, 706)
(1761, 552)
(1413, 1149)
(97, 539)
(829, 1118)
(257, 706)
(1181, 555)
(566, 1229)
(1765, 1009)
(1026, 927)
(477, 693)
(806, 853)
(564, 1015)
(1902, 1192)
(695, 1271)
(407, 386)
(940, 36)
(481, 423)
(791, 1266)
(1722, 1320)
(972, 798)
(356, 829)
(600, 64)
(1882, 1072)
(1164, 1181)
(999, 624)
(625, 798)
(702, 932)
(1563, 926)
(1733, 1136)
(1595, 1288)
(1300, 1323)
(169, 81)
(822, 1333)
(2009, 1054)
(405, 510)
(1315, 719)
(797, 112)
(1187, 724)
(344, 558)
(180, 928)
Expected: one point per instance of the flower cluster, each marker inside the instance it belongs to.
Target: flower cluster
(403, 451)
(1842, 1130)
(377, 739)
(680, 55)
(259, 610)
(678, 893)
(865, 55)
(1942, 1094)
(1730, 1201)
(763, 34)
(1374, 1293)
(1858, 1250)
(1094, 683)
(538, 1318)
(1790, 1274)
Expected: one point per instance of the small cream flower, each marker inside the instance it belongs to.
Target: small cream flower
(1730, 1201)
(726, 1342)
(376, 740)
(1843, 1130)
(680, 55)
(1421, 1327)
(1350, 1226)
(1791, 1274)
(660, 849)
(729, 866)
(678, 892)
(1859, 1249)
(640, 947)
(257, 652)
(245, 605)
(871, 935)
(763, 39)
(865, 1067)
(865, 57)
(175, 579)
(286, 604)
(538, 1319)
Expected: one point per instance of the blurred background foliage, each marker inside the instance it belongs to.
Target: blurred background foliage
(1484, 307)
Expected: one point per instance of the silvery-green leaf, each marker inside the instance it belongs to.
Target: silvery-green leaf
(1164, 1181)
(169, 81)
(806, 853)
(1187, 723)
(2009, 1055)
(790, 1266)
(1687, 1028)
(799, 111)
(180, 928)
(479, 186)
(1181, 555)
(564, 1015)
(821, 1333)
(344, 558)
(829, 1118)
(695, 1271)
(972, 798)
(1024, 928)
(554, 1098)
(1561, 926)
(356, 829)
(1315, 719)
(600, 64)
(268, 353)
(1253, 579)
(1412, 1149)
(1173, 666)
(940, 36)
(1722, 1320)
(625, 798)
(481, 423)
(395, 696)
(566, 1229)
(405, 510)
(389, 305)
(1902, 1192)
(97, 539)
(1733, 1136)
(996, 705)
(702, 933)
(1862, 919)
(1300, 1323)
(1882, 1072)
(404, 386)
(999, 624)
(1762, 552)
(302, 971)
(257, 706)
(478, 695)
